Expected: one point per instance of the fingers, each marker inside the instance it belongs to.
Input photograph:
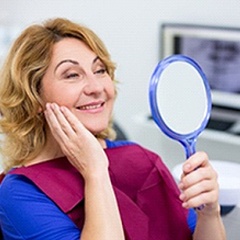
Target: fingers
(63, 122)
(198, 183)
(195, 161)
(60, 128)
(203, 192)
(57, 121)
(72, 120)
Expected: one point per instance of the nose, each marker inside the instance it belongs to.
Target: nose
(93, 85)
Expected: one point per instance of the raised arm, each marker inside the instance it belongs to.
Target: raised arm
(84, 152)
(200, 188)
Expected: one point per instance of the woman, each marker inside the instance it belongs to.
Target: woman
(65, 178)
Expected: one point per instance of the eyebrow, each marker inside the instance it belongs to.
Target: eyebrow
(95, 59)
(65, 61)
(73, 62)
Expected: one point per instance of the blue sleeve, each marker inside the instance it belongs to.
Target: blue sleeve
(192, 219)
(27, 213)
(118, 143)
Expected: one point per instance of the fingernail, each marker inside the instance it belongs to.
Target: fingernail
(181, 186)
(182, 196)
(62, 108)
(187, 167)
(185, 205)
(47, 105)
(55, 106)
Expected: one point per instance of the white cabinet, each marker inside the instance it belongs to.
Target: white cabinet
(219, 145)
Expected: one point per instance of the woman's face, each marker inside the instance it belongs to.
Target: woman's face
(77, 78)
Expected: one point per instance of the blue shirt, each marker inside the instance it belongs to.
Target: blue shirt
(27, 213)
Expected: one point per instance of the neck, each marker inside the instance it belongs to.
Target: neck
(52, 151)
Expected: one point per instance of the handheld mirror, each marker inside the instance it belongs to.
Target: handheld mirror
(180, 100)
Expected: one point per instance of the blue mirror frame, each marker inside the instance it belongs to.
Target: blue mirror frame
(187, 140)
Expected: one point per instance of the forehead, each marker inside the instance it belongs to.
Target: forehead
(71, 48)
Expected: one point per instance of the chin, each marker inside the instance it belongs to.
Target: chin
(95, 130)
(96, 125)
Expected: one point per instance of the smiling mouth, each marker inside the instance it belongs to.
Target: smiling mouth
(91, 106)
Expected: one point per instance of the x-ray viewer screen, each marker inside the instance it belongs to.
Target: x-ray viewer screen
(219, 59)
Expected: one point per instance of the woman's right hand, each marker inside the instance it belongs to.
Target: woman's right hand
(84, 152)
(81, 148)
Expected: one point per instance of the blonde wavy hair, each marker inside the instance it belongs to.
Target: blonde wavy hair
(20, 79)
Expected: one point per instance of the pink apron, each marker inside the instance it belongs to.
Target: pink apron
(145, 190)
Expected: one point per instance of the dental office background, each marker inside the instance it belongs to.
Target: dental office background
(131, 32)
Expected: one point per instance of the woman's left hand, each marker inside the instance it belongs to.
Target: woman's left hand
(199, 185)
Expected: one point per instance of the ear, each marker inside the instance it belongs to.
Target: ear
(40, 109)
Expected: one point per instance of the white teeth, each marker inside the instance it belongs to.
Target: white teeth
(90, 107)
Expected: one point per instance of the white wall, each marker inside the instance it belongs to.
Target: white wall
(130, 29)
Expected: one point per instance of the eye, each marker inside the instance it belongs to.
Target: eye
(72, 75)
(101, 71)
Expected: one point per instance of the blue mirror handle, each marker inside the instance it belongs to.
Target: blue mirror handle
(190, 148)
(189, 145)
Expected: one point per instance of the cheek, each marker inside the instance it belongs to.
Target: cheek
(112, 96)
(58, 94)
(112, 92)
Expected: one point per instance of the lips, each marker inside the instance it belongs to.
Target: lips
(91, 106)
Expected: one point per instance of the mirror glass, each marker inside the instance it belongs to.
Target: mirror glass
(180, 99)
